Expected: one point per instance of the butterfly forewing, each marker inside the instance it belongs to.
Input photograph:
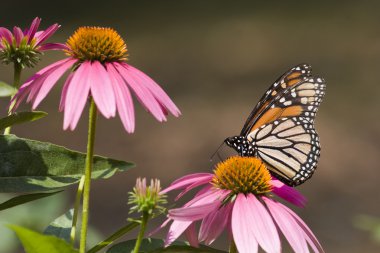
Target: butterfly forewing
(289, 146)
(290, 78)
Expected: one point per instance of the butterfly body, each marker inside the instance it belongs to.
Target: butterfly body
(280, 129)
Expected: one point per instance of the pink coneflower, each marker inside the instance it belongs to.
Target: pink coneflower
(238, 198)
(24, 47)
(98, 69)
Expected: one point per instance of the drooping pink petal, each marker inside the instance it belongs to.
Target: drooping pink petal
(6, 34)
(287, 193)
(156, 90)
(102, 90)
(51, 80)
(52, 46)
(215, 223)
(124, 100)
(187, 180)
(142, 93)
(192, 186)
(175, 230)
(208, 196)
(18, 35)
(33, 29)
(164, 224)
(46, 34)
(76, 95)
(193, 213)
(287, 225)
(191, 235)
(33, 84)
(262, 225)
(309, 235)
(64, 91)
(241, 229)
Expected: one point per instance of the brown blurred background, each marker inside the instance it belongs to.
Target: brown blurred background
(216, 59)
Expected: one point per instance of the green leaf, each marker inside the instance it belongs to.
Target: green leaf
(61, 227)
(114, 237)
(22, 199)
(21, 117)
(34, 242)
(31, 166)
(7, 90)
(151, 245)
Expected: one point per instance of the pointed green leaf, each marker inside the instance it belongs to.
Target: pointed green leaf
(34, 242)
(22, 199)
(61, 227)
(31, 166)
(21, 117)
(114, 237)
(152, 245)
(7, 90)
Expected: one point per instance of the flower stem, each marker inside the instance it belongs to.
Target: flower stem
(76, 210)
(16, 83)
(87, 175)
(233, 248)
(140, 236)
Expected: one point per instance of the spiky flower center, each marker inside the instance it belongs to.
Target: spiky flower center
(23, 53)
(242, 175)
(97, 44)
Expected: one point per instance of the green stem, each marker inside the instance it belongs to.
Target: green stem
(16, 84)
(87, 179)
(233, 248)
(76, 210)
(144, 222)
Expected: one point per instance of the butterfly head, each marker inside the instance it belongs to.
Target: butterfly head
(243, 146)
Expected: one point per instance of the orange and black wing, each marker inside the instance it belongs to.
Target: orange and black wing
(292, 77)
(297, 97)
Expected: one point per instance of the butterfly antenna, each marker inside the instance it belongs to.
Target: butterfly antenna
(217, 152)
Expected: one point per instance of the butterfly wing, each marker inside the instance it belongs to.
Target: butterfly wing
(290, 78)
(289, 146)
(282, 125)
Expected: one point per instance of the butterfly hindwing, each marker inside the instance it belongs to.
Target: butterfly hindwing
(289, 146)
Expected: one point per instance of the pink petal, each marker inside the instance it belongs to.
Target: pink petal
(18, 35)
(194, 213)
(64, 91)
(102, 90)
(143, 94)
(175, 230)
(46, 34)
(288, 226)
(244, 238)
(211, 195)
(33, 84)
(310, 237)
(191, 235)
(53, 46)
(164, 224)
(288, 193)
(188, 180)
(51, 80)
(156, 90)
(33, 29)
(214, 224)
(124, 100)
(6, 34)
(77, 95)
(192, 186)
(262, 225)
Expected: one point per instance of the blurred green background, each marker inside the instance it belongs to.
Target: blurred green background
(216, 59)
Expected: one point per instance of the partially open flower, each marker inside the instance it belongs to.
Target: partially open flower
(96, 59)
(24, 47)
(146, 198)
(238, 198)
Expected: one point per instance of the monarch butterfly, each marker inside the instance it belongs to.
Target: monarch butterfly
(280, 129)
